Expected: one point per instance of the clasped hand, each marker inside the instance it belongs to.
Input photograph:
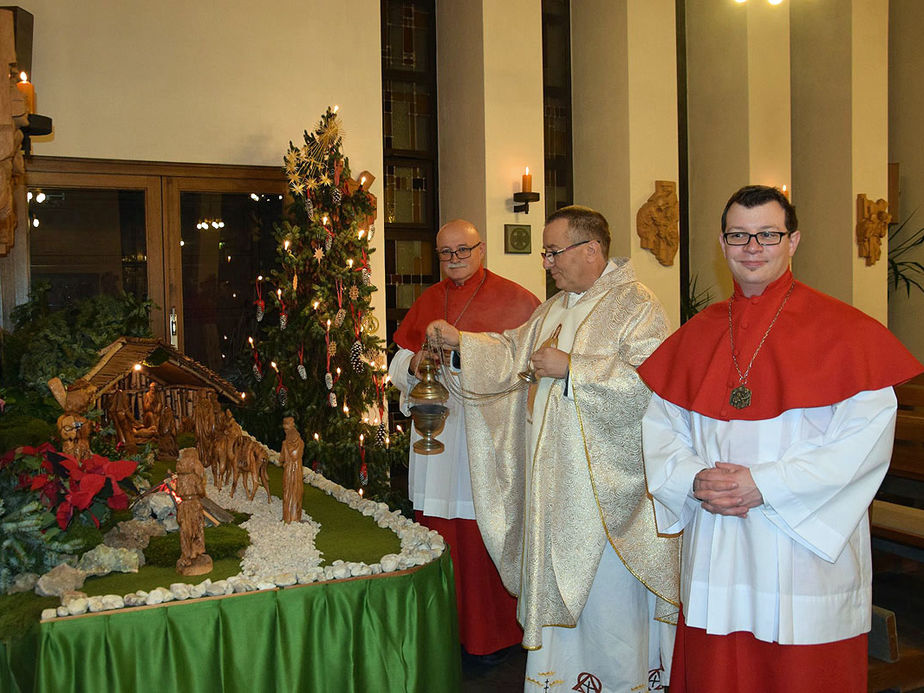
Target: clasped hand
(548, 362)
(727, 489)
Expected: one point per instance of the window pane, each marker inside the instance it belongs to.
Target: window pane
(406, 189)
(414, 257)
(86, 242)
(407, 113)
(407, 41)
(228, 240)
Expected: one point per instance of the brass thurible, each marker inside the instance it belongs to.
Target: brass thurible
(428, 407)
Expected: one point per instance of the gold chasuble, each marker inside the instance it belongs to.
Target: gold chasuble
(551, 488)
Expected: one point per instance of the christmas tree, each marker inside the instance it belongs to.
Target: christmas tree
(315, 353)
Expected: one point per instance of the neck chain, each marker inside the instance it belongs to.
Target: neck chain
(741, 395)
(465, 307)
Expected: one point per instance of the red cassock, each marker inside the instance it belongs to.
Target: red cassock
(484, 303)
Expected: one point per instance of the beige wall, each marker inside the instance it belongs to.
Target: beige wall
(490, 114)
(624, 89)
(840, 135)
(228, 83)
(738, 118)
(906, 146)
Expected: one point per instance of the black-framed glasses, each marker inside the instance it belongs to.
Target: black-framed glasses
(763, 237)
(550, 255)
(463, 252)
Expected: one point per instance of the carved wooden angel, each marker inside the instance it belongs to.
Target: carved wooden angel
(73, 425)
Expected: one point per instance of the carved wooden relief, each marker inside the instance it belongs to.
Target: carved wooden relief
(657, 222)
(872, 225)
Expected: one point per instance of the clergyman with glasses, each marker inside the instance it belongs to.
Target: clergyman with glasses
(768, 434)
(556, 467)
(476, 299)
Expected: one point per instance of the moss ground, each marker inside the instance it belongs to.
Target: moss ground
(345, 534)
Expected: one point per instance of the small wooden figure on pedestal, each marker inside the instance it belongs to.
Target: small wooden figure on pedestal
(190, 486)
(293, 484)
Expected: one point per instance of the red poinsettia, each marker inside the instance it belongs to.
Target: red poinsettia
(67, 485)
(87, 479)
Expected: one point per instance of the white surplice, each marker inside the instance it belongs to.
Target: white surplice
(439, 485)
(797, 569)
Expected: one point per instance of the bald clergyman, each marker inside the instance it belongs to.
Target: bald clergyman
(472, 298)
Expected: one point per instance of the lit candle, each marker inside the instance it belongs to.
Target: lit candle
(527, 181)
(27, 89)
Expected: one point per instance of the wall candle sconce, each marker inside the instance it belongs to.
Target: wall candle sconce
(526, 195)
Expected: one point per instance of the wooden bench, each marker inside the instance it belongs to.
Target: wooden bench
(897, 514)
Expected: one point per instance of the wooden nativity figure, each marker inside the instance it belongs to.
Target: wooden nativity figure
(166, 433)
(151, 406)
(190, 487)
(293, 485)
(123, 421)
(204, 421)
(73, 425)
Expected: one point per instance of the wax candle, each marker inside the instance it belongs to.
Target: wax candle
(27, 89)
(527, 181)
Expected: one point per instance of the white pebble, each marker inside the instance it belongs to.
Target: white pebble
(77, 606)
(113, 601)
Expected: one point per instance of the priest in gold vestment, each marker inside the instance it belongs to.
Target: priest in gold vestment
(557, 475)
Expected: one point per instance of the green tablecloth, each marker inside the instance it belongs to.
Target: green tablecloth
(384, 633)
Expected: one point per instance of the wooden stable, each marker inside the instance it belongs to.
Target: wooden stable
(133, 363)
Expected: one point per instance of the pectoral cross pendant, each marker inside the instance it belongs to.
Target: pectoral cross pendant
(740, 397)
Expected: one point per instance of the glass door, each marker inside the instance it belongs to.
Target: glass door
(93, 234)
(222, 239)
